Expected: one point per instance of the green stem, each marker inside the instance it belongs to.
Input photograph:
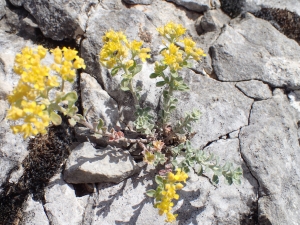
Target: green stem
(62, 85)
(166, 104)
(136, 102)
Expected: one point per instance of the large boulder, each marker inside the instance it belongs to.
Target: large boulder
(270, 147)
(59, 19)
(223, 107)
(89, 165)
(271, 63)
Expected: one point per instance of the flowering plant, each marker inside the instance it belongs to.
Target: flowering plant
(34, 110)
(177, 53)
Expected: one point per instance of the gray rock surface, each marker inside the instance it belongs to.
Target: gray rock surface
(200, 202)
(273, 64)
(89, 165)
(13, 148)
(212, 20)
(194, 5)
(97, 103)
(255, 89)
(34, 213)
(59, 19)
(141, 2)
(223, 108)
(61, 204)
(254, 5)
(2, 8)
(270, 147)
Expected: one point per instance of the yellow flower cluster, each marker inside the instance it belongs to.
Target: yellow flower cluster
(174, 57)
(28, 98)
(116, 48)
(66, 61)
(171, 185)
(171, 31)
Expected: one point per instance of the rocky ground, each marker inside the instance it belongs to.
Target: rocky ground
(247, 89)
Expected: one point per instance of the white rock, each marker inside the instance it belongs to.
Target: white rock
(89, 165)
(97, 103)
(34, 213)
(255, 89)
(62, 206)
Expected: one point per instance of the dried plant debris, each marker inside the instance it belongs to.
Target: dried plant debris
(46, 154)
(283, 20)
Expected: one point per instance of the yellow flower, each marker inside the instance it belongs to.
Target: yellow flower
(42, 51)
(171, 31)
(15, 113)
(171, 217)
(149, 157)
(134, 46)
(144, 54)
(57, 55)
(129, 64)
(172, 57)
(69, 54)
(79, 63)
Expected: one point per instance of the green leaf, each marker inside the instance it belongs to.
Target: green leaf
(154, 75)
(100, 124)
(55, 118)
(160, 83)
(125, 84)
(215, 179)
(115, 70)
(72, 122)
(136, 69)
(200, 171)
(159, 180)
(151, 193)
(72, 111)
(71, 97)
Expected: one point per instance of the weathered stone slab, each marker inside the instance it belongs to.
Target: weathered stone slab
(97, 103)
(141, 2)
(34, 213)
(194, 5)
(223, 108)
(255, 89)
(89, 165)
(245, 50)
(59, 19)
(62, 206)
(270, 147)
(254, 5)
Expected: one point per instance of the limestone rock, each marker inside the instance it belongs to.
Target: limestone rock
(294, 97)
(194, 5)
(223, 108)
(199, 203)
(2, 8)
(59, 19)
(141, 2)
(62, 206)
(255, 89)
(270, 147)
(254, 5)
(89, 165)
(33, 213)
(97, 103)
(13, 147)
(273, 64)
(212, 20)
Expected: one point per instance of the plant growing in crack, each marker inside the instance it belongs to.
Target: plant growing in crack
(165, 144)
(178, 157)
